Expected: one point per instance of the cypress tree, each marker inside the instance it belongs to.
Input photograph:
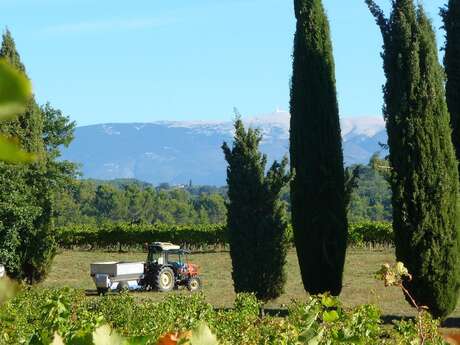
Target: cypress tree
(317, 190)
(451, 17)
(26, 235)
(424, 176)
(256, 217)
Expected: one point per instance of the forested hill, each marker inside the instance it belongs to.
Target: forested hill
(177, 152)
(127, 200)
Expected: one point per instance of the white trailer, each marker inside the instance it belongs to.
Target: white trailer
(107, 275)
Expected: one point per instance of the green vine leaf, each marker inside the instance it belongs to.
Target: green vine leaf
(203, 336)
(8, 289)
(328, 301)
(15, 91)
(330, 316)
(10, 152)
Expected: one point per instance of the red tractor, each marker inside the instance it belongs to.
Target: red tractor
(167, 268)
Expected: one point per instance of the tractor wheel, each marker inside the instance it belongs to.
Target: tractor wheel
(102, 291)
(122, 286)
(165, 279)
(194, 284)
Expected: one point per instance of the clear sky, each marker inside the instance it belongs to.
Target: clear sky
(146, 60)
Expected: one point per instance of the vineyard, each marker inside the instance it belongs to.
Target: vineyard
(36, 316)
(361, 316)
(110, 235)
(121, 234)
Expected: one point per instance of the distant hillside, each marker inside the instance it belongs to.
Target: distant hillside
(121, 182)
(179, 151)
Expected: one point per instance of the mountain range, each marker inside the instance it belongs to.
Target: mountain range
(177, 152)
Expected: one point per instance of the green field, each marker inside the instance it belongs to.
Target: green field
(71, 268)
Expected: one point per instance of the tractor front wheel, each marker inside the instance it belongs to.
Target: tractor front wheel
(165, 279)
(193, 284)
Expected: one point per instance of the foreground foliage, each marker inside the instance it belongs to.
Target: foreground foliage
(36, 316)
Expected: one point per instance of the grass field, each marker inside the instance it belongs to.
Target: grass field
(71, 268)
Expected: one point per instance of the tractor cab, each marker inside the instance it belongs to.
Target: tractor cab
(162, 253)
(167, 267)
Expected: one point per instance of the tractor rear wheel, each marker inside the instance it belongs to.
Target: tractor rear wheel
(165, 280)
(102, 291)
(122, 286)
(193, 284)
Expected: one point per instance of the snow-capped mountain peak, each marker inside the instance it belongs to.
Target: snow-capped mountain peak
(366, 126)
(179, 151)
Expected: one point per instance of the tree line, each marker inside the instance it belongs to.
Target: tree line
(87, 201)
(131, 201)
(370, 196)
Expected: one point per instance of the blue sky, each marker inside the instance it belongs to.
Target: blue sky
(146, 60)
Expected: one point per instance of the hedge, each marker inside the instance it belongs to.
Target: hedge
(191, 236)
(121, 234)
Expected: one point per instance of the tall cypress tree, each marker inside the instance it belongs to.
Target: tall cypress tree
(424, 177)
(256, 218)
(317, 190)
(451, 17)
(27, 245)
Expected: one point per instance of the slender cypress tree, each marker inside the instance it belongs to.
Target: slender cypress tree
(451, 17)
(27, 244)
(424, 177)
(256, 218)
(317, 190)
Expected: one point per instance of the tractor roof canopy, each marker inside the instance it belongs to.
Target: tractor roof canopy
(167, 247)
